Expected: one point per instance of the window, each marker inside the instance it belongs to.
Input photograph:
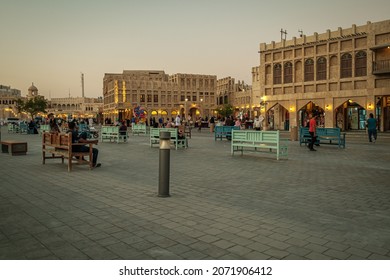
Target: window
(321, 68)
(142, 98)
(277, 74)
(288, 73)
(346, 66)
(361, 64)
(309, 70)
(149, 96)
(155, 98)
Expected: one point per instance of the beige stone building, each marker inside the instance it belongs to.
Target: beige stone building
(158, 94)
(343, 74)
(239, 95)
(8, 97)
(76, 107)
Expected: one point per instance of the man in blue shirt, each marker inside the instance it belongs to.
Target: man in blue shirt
(371, 127)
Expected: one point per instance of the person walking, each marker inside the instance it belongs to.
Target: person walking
(371, 127)
(257, 124)
(212, 124)
(312, 130)
(177, 121)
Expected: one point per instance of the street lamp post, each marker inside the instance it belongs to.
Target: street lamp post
(201, 107)
(264, 103)
(185, 110)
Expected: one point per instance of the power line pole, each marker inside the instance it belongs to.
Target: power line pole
(283, 32)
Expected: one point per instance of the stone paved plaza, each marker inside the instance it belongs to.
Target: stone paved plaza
(329, 204)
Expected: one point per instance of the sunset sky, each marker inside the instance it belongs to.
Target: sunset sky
(51, 42)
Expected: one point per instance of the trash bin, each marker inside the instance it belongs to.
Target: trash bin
(294, 133)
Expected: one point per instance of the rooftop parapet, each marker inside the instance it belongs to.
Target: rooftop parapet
(339, 34)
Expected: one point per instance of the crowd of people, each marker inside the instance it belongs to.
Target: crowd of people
(312, 121)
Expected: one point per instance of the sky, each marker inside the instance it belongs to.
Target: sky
(51, 42)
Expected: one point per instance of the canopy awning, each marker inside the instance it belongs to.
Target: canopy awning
(387, 45)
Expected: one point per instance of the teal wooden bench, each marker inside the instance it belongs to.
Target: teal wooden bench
(112, 133)
(332, 136)
(304, 136)
(221, 132)
(139, 128)
(44, 128)
(13, 128)
(155, 137)
(23, 128)
(261, 141)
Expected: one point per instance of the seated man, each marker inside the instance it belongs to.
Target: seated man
(76, 138)
(123, 130)
(181, 134)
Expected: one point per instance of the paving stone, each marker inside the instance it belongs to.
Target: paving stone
(378, 257)
(98, 253)
(239, 250)
(224, 244)
(242, 241)
(316, 248)
(278, 236)
(193, 255)
(335, 254)
(294, 257)
(255, 255)
(279, 245)
(124, 251)
(68, 252)
(317, 240)
(209, 238)
(278, 254)
(318, 256)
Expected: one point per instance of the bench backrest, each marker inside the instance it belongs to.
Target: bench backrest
(256, 136)
(329, 131)
(138, 126)
(58, 140)
(83, 127)
(45, 127)
(109, 130)
(155, 132)
(219, 129)
(304, 131)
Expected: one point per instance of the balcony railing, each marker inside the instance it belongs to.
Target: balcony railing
(381, 67)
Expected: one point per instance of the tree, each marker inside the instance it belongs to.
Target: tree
(226, 110)
(32, 106)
